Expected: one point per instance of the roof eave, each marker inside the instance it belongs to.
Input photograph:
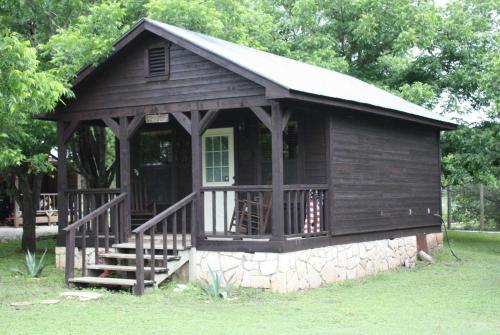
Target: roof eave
(303, 96)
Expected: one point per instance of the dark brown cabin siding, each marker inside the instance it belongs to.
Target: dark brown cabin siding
(314, 147)
(383, 169)
(123, 82)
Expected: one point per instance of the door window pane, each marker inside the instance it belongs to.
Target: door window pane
(208, 143)
(217, 158)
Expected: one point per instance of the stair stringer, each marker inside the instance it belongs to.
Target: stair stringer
(173, 267)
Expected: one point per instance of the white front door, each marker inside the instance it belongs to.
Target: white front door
(218, 170)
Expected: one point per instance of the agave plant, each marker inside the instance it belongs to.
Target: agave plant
(34, 268)
(215, 288)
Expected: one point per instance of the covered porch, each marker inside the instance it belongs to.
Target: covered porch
(207, 179)
(229, 165)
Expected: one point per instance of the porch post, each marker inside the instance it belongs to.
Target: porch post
(62, 202)
(125, 178)
(329, 173)
(196, 175)
(277, 211)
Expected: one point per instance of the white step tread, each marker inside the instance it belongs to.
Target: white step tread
(122, 268)
(132, 256)
(107, 281)
(158, 246)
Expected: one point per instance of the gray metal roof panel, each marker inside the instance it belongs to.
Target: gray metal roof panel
(301, 77)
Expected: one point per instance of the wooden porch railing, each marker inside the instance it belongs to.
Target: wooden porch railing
(104, 219)
(240, 211)
(244, 211)
(306, 212)
(168, 220)
(84, 201)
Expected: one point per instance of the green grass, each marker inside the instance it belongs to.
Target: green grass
(449, 297)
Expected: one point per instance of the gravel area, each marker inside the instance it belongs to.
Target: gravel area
(11, 233)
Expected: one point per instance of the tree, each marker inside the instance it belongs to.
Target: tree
(439, 57)
(472, 154)
(25, 143)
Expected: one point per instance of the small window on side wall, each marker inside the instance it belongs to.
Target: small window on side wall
(157, 61)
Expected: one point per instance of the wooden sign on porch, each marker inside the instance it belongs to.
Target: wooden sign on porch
(156, 118)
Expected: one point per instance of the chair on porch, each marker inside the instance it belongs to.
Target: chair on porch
(142, 207)
(254, 217)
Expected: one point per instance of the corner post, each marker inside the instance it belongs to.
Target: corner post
(197, 227)
(125, 178)
(330, 173)
(277, 211)
(62, 184)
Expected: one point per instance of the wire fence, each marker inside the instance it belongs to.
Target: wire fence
(471, 207)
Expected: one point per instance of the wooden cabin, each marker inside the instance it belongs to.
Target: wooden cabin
(243, 162)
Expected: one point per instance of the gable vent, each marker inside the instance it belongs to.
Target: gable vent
(157, 61)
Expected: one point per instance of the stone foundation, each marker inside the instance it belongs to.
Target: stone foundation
(90, 254)
(306, 269)
(293, 271)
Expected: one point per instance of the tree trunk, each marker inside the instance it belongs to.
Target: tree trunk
(89, 152)
(30, 187)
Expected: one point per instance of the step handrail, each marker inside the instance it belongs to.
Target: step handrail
(180, 207)
(164, 214)
(99, 219)
(95, 213)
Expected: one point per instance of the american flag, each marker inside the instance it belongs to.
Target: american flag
(312, 220)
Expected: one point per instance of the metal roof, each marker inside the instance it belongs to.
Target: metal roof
(297, 76)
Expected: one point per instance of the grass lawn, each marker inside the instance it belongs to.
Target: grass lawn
(449, 297)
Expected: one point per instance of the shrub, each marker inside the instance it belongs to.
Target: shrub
(34, 268)
(215, 289)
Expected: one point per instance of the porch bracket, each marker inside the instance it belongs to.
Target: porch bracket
(207, 119)
(263, 116)
(134, 125)
(70, 129)
(183, 120)
(113, 125)
(286, 117)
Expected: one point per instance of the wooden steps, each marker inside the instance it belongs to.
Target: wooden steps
(115, 255)
(106, 281)
(123, 268)
(147, 246)
(118, 269)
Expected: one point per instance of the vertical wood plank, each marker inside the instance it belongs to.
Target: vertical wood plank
(249, 214)
(302, 214)
(164, 241)
(96, 222)
(139, 259)
(296, 212)
(125, 186)
(214, 212)
(261, 213)
(152, 252)
(196, 177)
(289, 212)
(61, 184)
(237, 213)
(330, 175)
(84, 248)
(224, 195)
(277, 212)
(70, 256)
(174, 233)
(183, 218)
